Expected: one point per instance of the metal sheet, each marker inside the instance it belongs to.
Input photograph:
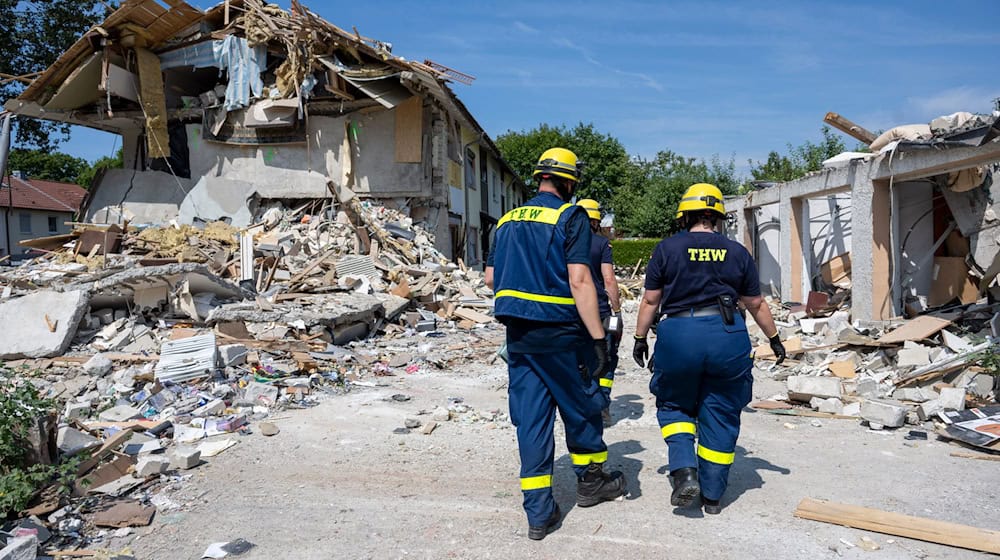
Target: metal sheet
(387, 90)
(187, 358)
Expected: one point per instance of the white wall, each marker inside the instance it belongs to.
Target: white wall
(914, 202)
(768, 249)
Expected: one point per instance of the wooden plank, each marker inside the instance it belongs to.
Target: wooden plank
(980, 456)
(843, 370)
(409, 130)
(472, 315)
(920, 328)
(154, 104)
(110, 444)
(849, 128)
(920, 528)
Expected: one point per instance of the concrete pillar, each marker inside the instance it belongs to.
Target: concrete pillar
(871, 251)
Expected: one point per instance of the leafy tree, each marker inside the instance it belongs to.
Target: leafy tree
(87, 176)
(606, 161)
(800, 160)
(647, 204)
(32, 35)
(50, 166)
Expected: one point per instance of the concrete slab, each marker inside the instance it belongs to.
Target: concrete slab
(40, 325)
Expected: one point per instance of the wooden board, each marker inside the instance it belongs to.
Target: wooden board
(843, 370)
(920, 528)
(920, 328)
(409, 130)
(792, 346)
(154, 103)
(951, 280)
(472, 315)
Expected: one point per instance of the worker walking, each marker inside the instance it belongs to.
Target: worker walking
(602, 269)
(702, 363)
(545, 296)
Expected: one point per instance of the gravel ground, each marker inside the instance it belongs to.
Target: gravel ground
(337, 482)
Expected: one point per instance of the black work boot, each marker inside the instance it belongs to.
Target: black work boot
(537, 533)
(712, 507)
(686, 487)
(597, 486)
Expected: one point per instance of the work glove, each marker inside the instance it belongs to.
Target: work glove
(778, 348)
(640, 351)
(603, 361)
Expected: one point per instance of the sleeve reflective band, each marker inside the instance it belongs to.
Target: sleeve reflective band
(717, 457)
(677, 428)
(535, 297)
(536, 482)
(605, 382)
(533, 214)
(582, 459)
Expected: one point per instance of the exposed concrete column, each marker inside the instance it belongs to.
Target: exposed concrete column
(871, 250)
(790, 215)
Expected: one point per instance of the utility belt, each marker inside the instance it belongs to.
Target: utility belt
(726, 307)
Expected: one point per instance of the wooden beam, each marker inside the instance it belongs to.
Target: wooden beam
(849, 128)
(920, 528)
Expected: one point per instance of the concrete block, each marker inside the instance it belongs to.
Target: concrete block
(891, 414)
(812, 326)
(45, 325)
(76, 409)
(914, 394)
(852, 409)
(233, 354)
(185, 458)
(211, 408)
(913, 357)
(953, 398)
(260, 393)
(120, 413)
(867, 387)
(106, 316)
(20, 548)
(99, 365)
(928, 410)
(831, 406)
(807, 386)
(151, 465)
(71, 441)
(981, 385)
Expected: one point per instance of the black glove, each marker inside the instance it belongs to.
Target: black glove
(640, 351)
(601, 349)
(778, 348)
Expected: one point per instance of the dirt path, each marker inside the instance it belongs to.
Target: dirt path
(338, 483)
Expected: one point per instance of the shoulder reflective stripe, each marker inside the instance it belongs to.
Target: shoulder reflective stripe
(536, 482)
(678, 428)
(539, 214)
(535, 297)
(605, 382)
(582, 459)
(717, 457)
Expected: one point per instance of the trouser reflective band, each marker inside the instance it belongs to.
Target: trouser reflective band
(678, 428)
(536, 482)
(717, 457)
(588, 458)
(605, 382)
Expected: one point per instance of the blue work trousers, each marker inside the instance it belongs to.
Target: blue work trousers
(701, 380)
(539, 385)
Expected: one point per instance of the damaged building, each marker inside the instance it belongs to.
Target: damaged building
(227, 112)
(909, 226)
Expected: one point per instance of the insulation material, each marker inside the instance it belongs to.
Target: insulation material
(904, 132)
(154, 104)
(951, 280)
(409, 130)
(966, 179)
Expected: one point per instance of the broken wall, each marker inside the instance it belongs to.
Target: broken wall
(977, 213)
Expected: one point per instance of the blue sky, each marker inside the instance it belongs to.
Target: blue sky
(737, 79)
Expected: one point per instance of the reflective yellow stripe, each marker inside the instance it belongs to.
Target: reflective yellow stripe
(717, 457)
(539, 214)
(535, 297)
(677, 428)
(588, 458)
(605, 382)
(536, 482)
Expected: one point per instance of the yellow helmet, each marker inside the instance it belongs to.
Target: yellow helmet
(559, 162)
(593, 208)
(701, 196)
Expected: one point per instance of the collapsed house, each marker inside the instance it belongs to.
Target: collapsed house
(225, 112)
(910, 226)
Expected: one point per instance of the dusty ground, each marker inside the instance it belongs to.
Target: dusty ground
(338, 483)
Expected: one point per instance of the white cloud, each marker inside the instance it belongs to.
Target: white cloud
(645, 79)
(525, 28)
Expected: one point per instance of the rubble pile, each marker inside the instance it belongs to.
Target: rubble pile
(166, 345)
(918, 372)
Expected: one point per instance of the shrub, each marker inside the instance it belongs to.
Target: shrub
(628, 252)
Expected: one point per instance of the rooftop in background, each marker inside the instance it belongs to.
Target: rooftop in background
(36, 194)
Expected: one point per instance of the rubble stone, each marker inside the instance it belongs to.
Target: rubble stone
(120, 413)
(867, 387)
(914, 394)
(99, 365)
(47, 322)
(441, 414)
(151, 465)
(831, 406)
(185, 458)
(106, 316)
(912, 355)
(211, 408)
(20, 548)
(852, 409)
(808, 386)
(928, 410)
(71, 441)
(891, 414)
(233, 354)
(260, 393)
(76, 410)
(953, 398)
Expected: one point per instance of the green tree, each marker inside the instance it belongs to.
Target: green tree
(646, 206)
(32, 35)
(606, 161)
(87, 176)
(49, 166)
(799, 161)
